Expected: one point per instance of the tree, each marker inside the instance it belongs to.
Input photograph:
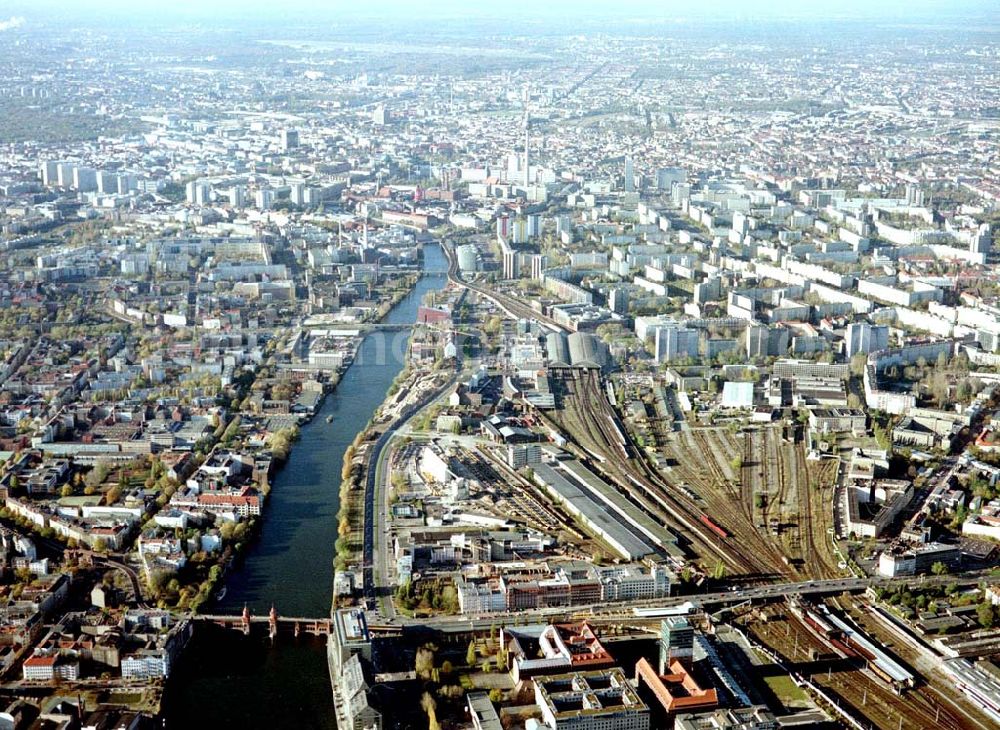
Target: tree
(986, 616)
(66, 491)
(470, 654)
(429, 706)
(99, 473)
(423, 664)
(939, 568)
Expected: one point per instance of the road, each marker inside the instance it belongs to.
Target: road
(376, 561)
(626, 610)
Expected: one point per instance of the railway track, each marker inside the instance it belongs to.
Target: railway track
(812, 554)
(869, 699)
(635, 470)
(513, 306)
(631, 474)
(723, 497)
(764, 544)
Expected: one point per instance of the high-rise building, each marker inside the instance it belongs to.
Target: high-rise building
(297, 193)
(511, 262)
(864, 337)
(629, 175)
(675, 341)
(237, 196)
(84, 179)
(519, 231)
(197, 193)
(264, 199)
(676, 642)
(741, 223)
(534, 222)
(618, 300)
(708, 290)
(764, 341)
(982, 240)
(49, 172)
(666, 177)
(381, 116)
(289, 139)
(503, 227)
(107, 183)
(527, 161)
(127, 182)
(680, 193)
(64, 176)
(914, 195)
(538, 263)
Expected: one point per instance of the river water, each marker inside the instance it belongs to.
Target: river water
(228, 680)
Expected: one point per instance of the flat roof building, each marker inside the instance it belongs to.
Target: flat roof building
(482, 712)
(739, 718)
(598, 700)
(601, 509)
(737, 395)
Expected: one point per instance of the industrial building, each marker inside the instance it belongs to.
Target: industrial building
(468, 258)
(757, 717)
(900, 560)
(578, 350)
(872, 507)
(737, 396)
(604, 512)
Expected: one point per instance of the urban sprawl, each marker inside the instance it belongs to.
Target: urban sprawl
(696, 434)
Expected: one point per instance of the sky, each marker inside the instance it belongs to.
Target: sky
(296, 11)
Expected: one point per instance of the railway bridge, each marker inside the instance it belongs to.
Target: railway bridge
(295, 625)
(362, 327)
(275, 624)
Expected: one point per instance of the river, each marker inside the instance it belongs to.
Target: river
(227, 680)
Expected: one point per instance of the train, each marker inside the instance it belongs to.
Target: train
(855, 646)
(710, 524)
(691, 494)
(659, 612)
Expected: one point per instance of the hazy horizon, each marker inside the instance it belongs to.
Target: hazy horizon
(20, 14)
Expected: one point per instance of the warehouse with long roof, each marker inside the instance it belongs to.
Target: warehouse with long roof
(587, 351)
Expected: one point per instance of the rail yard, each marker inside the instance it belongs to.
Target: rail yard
(590, 420)
(852, 681)
(750, 499)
